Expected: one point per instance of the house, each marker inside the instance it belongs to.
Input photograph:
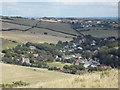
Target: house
(25, 60)
(56, 57)
(78, 56)
(35, 55)
(105, 67)
(68, 56)
(87, 64)
(93, 66)
(32, 47)
(79, 62)
(80, 48)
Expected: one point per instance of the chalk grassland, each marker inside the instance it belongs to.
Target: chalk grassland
(19, 34)
(42, 78)
(12, 73)
(23, 37)
(38, 31)
(6, 25)
(7, 43)
(101, 33)
(63, 27)
(21, 21)
(89, 80)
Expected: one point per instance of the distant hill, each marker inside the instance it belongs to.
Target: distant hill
(23, 30)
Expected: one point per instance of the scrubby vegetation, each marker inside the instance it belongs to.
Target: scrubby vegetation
(89, 80)
(15, 84)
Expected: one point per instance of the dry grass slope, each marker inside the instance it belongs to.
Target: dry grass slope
(89, 80)
(23, 37)
(12, 73)
(42, 78)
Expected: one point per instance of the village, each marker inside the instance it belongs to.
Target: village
(83, 23)
(81, 54)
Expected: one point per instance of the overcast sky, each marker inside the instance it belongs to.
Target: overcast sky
(63, 8)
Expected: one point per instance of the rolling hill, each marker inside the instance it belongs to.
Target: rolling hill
(42, 78)
(23, 30)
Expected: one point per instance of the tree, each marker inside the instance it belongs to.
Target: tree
(45, 33)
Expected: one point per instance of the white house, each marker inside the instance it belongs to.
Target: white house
(26, 60)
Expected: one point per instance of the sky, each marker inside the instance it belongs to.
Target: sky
(60, 8)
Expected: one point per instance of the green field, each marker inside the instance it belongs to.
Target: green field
(64, 27)
(57, 64)
(101, 33)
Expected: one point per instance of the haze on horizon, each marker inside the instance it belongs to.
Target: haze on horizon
(60, 9)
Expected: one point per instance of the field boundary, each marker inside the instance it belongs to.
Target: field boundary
(37, 27)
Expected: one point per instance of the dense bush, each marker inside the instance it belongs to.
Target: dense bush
(53, 68)
(74, 68)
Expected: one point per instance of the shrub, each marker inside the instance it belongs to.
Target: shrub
(15, 84)
(45, 33)
(104, 73)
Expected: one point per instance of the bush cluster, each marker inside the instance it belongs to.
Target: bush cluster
(15, 84)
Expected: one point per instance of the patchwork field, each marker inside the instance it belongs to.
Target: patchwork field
(57, 27)
(23, 30)
(42, 78)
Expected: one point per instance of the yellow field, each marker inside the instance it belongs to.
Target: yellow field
(42, 78)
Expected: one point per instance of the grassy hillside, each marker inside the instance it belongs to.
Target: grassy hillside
(5, 43)
(6, 25)
(16, 29)
(21, 21)
(101, 33)
(38, 31)
(64, 27)
(12, 73)
(42, 78)
(57, 27)
(23, 37)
